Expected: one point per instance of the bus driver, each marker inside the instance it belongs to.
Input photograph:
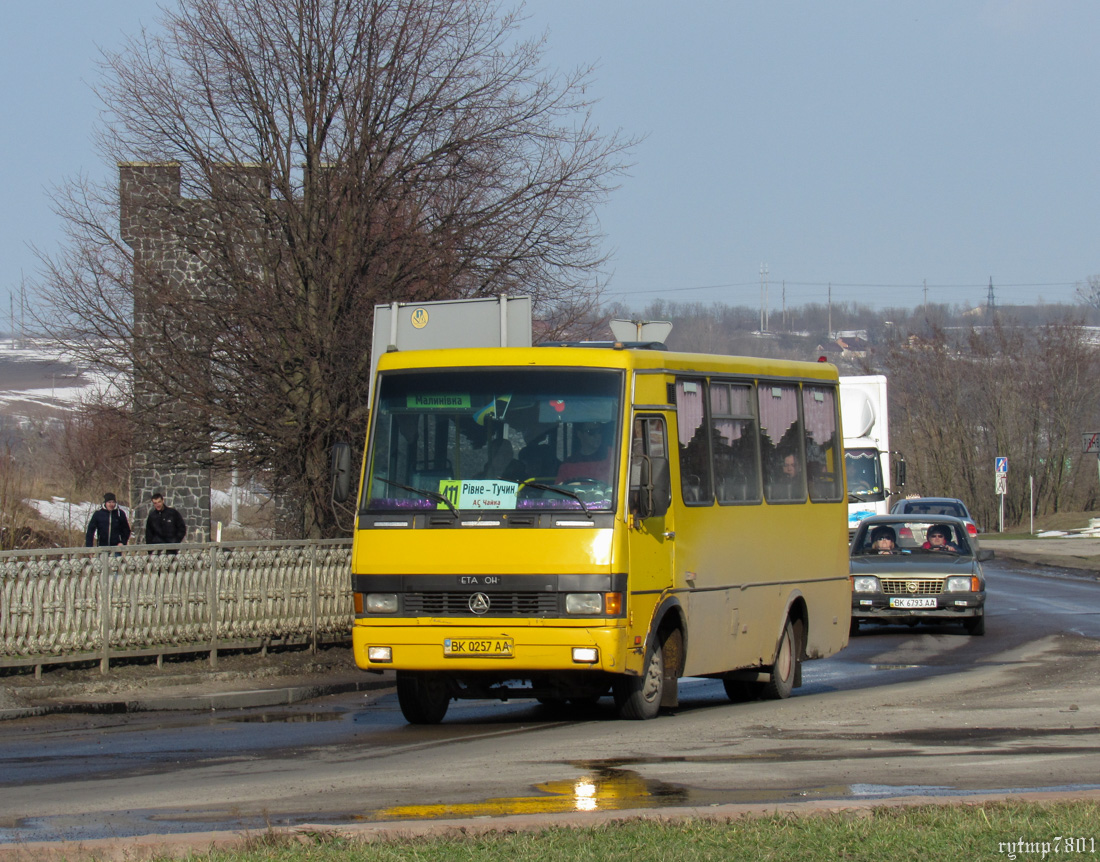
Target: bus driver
(591, 455)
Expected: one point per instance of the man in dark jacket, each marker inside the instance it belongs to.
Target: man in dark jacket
(108, 526)
(164, 526)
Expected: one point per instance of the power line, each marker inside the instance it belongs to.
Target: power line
(922, 285)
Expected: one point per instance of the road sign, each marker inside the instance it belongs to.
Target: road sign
(1001, 464)
(1090, 442)
(1002, 484)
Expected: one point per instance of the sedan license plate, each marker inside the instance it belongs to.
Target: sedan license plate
(912, 603)
(478, 647)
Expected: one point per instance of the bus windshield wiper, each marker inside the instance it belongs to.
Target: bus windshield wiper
(557, 488)
(423, 492)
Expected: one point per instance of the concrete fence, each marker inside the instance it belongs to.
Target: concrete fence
(73, 604)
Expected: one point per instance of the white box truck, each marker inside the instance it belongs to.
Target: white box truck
(874, 472)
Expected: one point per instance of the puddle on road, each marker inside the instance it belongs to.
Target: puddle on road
(889, 791)
(284, 717)
(601, 789)
(597, 790)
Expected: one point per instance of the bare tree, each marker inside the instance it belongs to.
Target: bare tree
(94, 444)
(1089, 292)
(397, 150)
(1023, 393)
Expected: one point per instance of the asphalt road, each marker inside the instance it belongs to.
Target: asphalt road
(901, 712)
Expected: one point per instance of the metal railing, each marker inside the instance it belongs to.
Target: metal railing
(75, 604)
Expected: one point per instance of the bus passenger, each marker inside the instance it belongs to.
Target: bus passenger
(501, 462)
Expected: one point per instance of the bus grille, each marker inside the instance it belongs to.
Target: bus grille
(457, 604)
(924, 587)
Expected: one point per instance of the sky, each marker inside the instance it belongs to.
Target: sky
(882, 153)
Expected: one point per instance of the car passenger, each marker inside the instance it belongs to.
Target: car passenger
(884, 540)
(939, 539)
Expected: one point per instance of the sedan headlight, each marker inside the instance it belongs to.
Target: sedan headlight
(963, 585)
(865, 584)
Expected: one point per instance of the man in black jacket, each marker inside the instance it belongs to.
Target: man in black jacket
(164, 526)
(108, 526)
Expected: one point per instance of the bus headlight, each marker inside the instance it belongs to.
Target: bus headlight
(381, 603)
(586, 655)
(865, 584)
(589, 604)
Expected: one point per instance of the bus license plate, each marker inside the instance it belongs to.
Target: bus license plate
(912, 603)
(479, 647)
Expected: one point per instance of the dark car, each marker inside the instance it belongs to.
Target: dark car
(908, 569)
(952, 506)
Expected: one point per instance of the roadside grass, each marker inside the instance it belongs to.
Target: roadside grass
(999, 830)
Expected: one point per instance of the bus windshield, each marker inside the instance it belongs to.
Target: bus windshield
(489, 439)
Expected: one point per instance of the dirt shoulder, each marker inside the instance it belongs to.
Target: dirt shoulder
(131, 682)
(1068, 552)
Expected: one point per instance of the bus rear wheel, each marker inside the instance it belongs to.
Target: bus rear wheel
(639, 697)
(423, 697)
(784, 671)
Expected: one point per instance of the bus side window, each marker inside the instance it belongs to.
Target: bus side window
(822, 443)
(695, 486)
(782, 441)
(734, 440)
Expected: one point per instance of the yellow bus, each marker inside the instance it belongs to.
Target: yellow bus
(564, 522)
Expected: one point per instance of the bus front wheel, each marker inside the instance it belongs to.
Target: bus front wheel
(639, 697)
(787, 657)
(423, 697)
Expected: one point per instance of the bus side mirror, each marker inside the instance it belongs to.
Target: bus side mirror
(341, 471)
(650, 486)
(899, 472)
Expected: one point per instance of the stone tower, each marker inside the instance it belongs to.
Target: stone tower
(154, 220)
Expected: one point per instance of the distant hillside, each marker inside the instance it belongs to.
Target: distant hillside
(38, 382)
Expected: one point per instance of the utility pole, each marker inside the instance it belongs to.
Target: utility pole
(763, 297)
(830, 310)
(767, 300)
(990, 302)
(926, 293)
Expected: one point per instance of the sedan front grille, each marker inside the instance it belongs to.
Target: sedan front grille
(912, 586)
(501, 604)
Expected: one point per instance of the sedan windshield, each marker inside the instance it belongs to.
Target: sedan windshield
(912, 537)
(495, 439)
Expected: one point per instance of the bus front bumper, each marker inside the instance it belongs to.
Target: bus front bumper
(503, 649)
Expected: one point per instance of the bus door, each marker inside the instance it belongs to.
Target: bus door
(652, 546)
